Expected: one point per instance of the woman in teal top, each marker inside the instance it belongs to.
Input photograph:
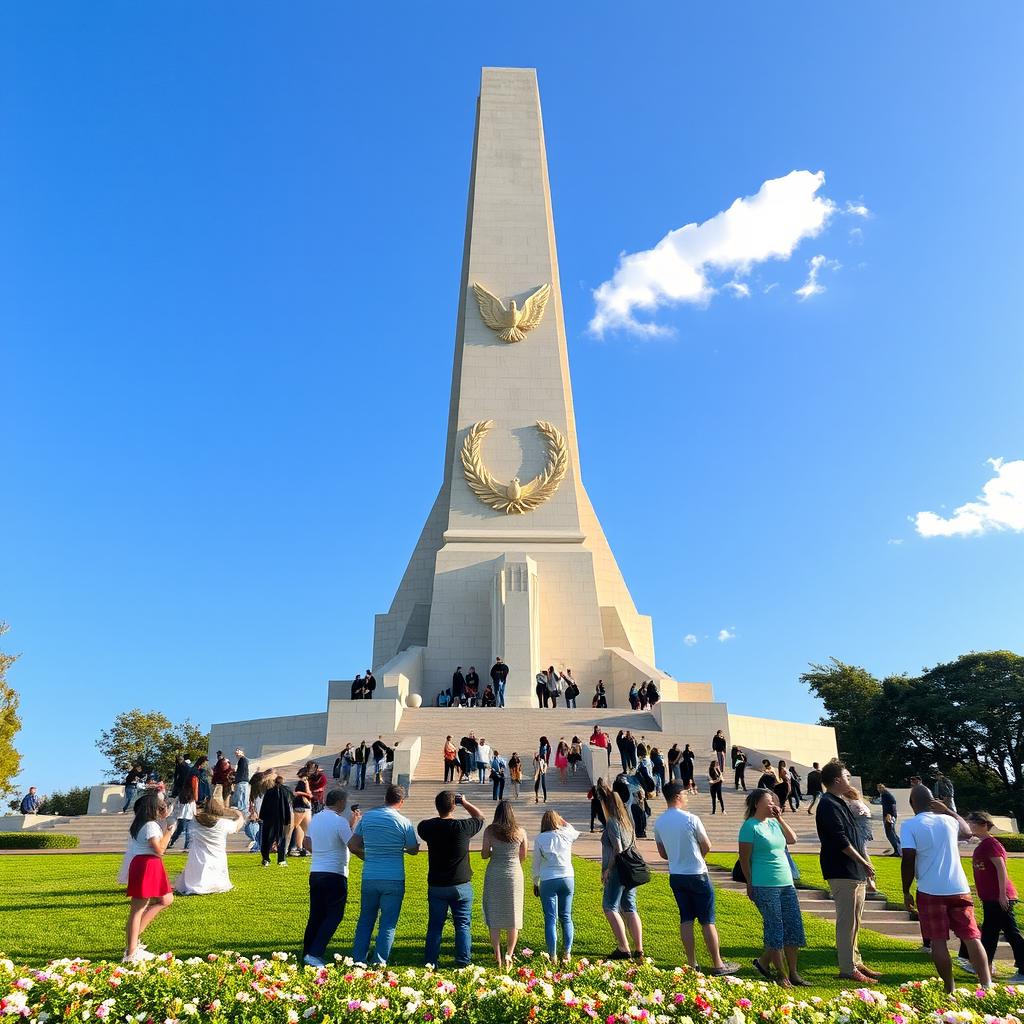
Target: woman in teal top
(764, 836)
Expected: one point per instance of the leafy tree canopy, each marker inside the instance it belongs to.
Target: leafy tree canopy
(10, 723)
(151, 740)
(965, 718)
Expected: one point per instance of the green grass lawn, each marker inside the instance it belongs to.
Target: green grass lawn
(70, 905)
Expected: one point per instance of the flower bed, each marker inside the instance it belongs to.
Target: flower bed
(229, 989)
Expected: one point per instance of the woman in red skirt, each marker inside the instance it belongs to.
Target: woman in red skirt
(148, 887)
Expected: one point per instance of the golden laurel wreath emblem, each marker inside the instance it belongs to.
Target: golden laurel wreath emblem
(514, 498)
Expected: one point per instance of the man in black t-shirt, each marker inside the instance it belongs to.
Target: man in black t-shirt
(380, 755)
(449, 876)
(889, 816)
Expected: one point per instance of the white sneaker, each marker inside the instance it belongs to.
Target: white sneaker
(282, 863)
(312, 961)
(964, 964)
(139, 956)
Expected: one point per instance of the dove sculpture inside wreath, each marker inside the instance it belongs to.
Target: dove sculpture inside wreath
(514, 498)
(511, 323)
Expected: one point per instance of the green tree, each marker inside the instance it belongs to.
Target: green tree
(10, 723)
(73, 802)
(149, 739)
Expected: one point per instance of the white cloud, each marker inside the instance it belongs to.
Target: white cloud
(856, 209)
(690, 639)
(1000, 506)
(771, 287)
(856, 236)
(895, 540)
(738, 288)
(812, 286)
(769, 225)
(726, 634)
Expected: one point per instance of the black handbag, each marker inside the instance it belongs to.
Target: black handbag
(737, 872)
(632, 868)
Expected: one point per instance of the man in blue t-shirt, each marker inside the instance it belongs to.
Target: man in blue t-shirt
(381, 840)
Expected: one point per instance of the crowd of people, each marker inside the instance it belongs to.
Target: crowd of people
(206, 806)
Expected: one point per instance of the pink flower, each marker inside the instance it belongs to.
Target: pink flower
(743, 1003)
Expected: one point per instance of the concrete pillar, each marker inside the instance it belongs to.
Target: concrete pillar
(515, 625)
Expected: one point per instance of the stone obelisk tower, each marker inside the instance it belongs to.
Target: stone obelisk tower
(537, 586)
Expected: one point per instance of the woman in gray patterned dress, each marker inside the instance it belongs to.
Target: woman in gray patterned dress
(503, 846)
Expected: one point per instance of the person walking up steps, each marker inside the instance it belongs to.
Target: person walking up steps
(449, 875)
(889, 816)
(684, 843)
(944, 903)
(382, 840)
(813, 786)
(540, 782)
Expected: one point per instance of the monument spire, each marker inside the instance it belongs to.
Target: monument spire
(512, 560)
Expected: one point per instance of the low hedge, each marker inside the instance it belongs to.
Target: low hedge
(1013, 841)
(37, 841)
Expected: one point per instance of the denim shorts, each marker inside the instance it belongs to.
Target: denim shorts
(695, 897)
(780, 911)
(617, 896)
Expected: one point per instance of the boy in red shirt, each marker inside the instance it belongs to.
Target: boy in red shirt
(996, 892)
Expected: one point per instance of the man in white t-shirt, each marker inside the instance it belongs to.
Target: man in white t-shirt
(944, 904)
(683, 842)
(327, 839)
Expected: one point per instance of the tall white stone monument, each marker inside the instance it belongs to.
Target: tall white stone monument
(532, 581)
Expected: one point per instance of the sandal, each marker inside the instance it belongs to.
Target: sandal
(762, 970)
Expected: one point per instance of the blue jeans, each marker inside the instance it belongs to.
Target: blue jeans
(499, 693)
(570, 702)
(360, 775)
(252, 831)
(240, 797)
(481, 768)
(556, 902)
(441, 899)
(184, 826)
(381, 896)
(130, 793)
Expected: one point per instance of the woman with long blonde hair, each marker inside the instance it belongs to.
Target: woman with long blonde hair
(618, 902)
(554, 880)
(503, 846)
(206, 869)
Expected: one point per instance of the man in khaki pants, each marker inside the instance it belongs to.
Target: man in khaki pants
(846, 867)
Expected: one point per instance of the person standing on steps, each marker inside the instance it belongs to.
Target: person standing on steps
(382, 840)
(467, 756)
(498, 775)
(499, 676)
(472, 683)
(554, 687)
(600, 695)
(629, 753)
(889, 816)
(683, 842)
(813, 785)
(360, 758)
(686, 771)
(846, 867)
(739, 767)
(540, 782)
(458, 687)
(515, 773)
(571, 691)
(719, 746)
(451, 760)
(763, 838)
(483, 761)
(541, 689)
(449, 875)
(944, 903)
(133, 780)
(674, 758)
(715, 784)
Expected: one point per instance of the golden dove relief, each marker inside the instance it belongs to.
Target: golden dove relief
(514, 498)
(512, 323)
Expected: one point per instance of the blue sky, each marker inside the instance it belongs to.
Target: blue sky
(230, 242)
